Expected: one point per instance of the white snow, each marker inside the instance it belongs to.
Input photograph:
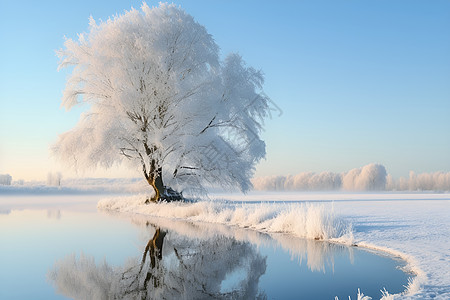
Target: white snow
(416, 230)
(413, 226)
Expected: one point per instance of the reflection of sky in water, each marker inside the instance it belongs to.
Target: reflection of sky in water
(339, 273)
(32, 240)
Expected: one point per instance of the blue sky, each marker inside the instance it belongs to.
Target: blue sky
(357, 81)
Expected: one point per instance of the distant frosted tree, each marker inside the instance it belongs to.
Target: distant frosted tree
(160, 100)
(437, 181)
(54, 178)
(5, 179)
(368, 178)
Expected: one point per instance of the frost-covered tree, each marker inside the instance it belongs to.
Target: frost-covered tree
(54, 178)
(371, 177)
(368, 178)
(5, 179)
(160, 99)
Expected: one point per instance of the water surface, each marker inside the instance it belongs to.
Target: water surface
(58, 248)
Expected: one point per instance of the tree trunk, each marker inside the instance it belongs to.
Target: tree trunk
(159, 183)
(158, 186)
(162, 193)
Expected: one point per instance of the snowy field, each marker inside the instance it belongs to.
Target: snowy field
(414, 226)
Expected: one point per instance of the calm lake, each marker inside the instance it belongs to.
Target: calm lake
(59, 247)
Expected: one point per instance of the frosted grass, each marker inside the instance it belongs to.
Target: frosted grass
(385, 295)
(304, 220)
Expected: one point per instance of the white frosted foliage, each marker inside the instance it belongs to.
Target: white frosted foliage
(368, 178)
(371, 177)
(160, 99)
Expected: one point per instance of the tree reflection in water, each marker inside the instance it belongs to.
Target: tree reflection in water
(184, 260)
(172, 267)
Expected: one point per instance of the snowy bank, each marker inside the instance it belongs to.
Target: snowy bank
(302, 220)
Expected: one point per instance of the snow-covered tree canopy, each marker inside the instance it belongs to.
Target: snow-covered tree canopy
(162, 101)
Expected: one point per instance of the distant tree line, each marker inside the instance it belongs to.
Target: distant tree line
(372, 177)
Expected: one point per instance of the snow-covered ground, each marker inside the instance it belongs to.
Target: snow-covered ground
(413, 226)
(417, 230)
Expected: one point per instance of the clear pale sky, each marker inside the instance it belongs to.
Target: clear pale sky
(357, 81)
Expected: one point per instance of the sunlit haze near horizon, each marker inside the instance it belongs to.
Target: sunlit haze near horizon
(352, 82)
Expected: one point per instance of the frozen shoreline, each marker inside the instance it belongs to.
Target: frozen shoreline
(418, 231)
(413, 226)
